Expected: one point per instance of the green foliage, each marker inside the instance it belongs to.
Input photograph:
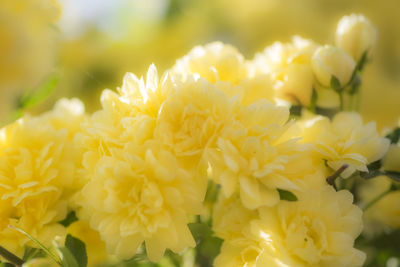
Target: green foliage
(31, 99)
(363, 61)
(32, 253)
(6, 264)
(71, 217)
(208, 246)
(313, 102)
(287, 195)
(335, 83)
(78, 249)
(394, 136)
(67, 259)
(7, 255)
(40, 245)
(385, 246)
(375, 171)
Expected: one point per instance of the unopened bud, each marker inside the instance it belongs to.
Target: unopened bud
(355, 34)
(329, 61)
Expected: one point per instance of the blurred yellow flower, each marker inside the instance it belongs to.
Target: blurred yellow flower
(345, 140)
(355, 34)
(27, 47)
(290, 67)
(37, 175)
(214, 62)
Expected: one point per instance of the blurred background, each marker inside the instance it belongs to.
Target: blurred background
(85, 46)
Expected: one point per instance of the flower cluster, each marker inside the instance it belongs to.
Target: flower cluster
(136, 172)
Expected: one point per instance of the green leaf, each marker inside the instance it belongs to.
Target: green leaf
(40, 245)
(394, 136)
(375, 173)
(71, 217)
(287, 195)
(67, 259)
(208, 246)
(31, 253)
(78, 249)
(393, 175)
(6, 264)
(313, 102)
(335, 83)
(363, 60)
(40, 94)
(355, 84)
(295, 110)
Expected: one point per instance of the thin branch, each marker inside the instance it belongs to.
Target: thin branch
(10, 257)
(331, 179)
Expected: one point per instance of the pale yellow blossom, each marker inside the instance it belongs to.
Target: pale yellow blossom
(345, 140)
(254, 157)
(318, 229)
(37, 175)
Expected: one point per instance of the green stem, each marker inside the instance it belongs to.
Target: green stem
(10, 257)
(376, 199)
(341, 101)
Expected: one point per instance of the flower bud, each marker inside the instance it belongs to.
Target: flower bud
(330, 61)
(355, 34)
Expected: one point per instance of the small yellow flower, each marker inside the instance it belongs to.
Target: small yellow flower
(37, 175)
(355, 34)
(330, 61)
(345, 140)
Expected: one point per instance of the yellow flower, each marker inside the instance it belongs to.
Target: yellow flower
(140, 193)
(290, 67)
(230, 217)
(192, 117)
(214, 62)
(355, 34)
(330, 61)
(137, 188)
(345, 140)
(95, 247)
(255, 157)
(318, 229)
(37, 175)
